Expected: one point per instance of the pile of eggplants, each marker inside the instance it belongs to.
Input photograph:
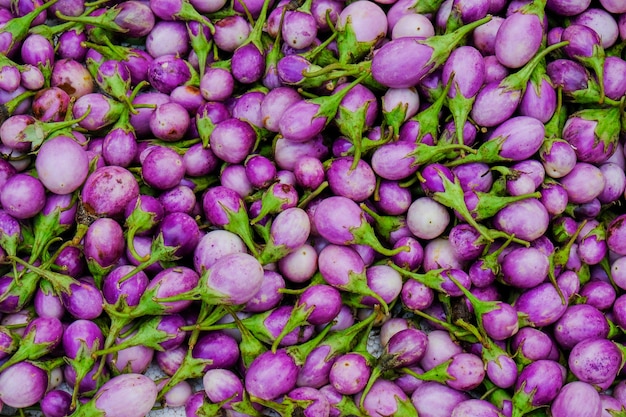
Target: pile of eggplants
(244, 192)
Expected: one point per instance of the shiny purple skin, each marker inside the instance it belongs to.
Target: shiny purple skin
(56, 403)
(582, 41)
(173, 281)
(235, 278)
(558, 158)
(532, 344)
(577, 398)
(434, 399)
(275, 102)
(119, 147)
(467, 371)
(47, 304)
(199, 161)
(269, 296)
(406, 347)
(130, 290)
(84, 300)
(131, 394)
(538, 101)
(168, 38)
(22, 385)
(287, 152)
(221, 385)
(214, 245)
(616, 235)
(218, 201)
(356, 183)
(541, 305)
(596, 361)
(518, 26)
(81, 333)
(335, 217)
(338, 274)
(614, 84)
(349, 373)
(290, 228)
(45, 330)
(319, 406)
(169, 122)
(62, 165)
(544, 377)
(580, 132)
(325, 302)
(477, 408)
(357, 98)
(37, 50)
(248, 64)
(217, 347)
(580, 322)
(502, 371)
(232, 140)
(301, 122)
(468, 67)
(475, 176)
(22, 196)
(525, 267)
(495, 104)
(521, 137)
(162, 168)
(315, 370)
(583, 183)
(261, 171)
(599, 294)
(465, 241)
(384, 398)
(568, 74)
(104, 242)
(567, 7)
(393, 161)
(501, 323)
(167, 72)
(271, 375)
(615, 182)
(527, 219)
(108, 190)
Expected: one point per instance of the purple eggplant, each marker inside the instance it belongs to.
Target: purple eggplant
(23, 384)
(596, 361)
(426, 55)
(341, 221)
(132, 393)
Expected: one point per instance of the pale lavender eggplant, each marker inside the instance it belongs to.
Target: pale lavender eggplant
(162, 168)
(538, 384)
(132, 393)
(541, 305)
(527, 219)
(23, 196)
(578, 323)
(432, 395)
(595, 361)
(587, 174)
(354, 182)
(426, 55)
(221, 385)
(23, 385)
(271, 375)
(577, 398)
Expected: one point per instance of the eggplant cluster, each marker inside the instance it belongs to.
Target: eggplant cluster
(246, 194)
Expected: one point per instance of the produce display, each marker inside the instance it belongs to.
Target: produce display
(242, 194)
